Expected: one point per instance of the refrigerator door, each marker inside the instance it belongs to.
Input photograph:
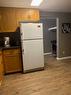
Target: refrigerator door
(33, 54)
(31, 31)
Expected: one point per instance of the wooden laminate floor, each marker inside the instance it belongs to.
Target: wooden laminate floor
(54, 80)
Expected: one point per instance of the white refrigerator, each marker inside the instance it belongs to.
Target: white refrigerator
(32, 46)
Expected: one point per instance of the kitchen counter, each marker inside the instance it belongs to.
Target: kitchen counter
(7, 48)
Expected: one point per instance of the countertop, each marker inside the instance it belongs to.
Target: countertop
(7, 48)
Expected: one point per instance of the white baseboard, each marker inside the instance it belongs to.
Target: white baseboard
(62, 58)
(48, 53)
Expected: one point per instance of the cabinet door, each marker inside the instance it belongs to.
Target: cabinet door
(12, 61)
(9, 19)
(1, 68)
(0, 20)
(33, 15)
(27, 15)
(12, 64)
(1, 72)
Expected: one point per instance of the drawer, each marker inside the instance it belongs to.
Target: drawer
(11, 52)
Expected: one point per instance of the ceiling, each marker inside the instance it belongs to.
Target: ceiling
(46, 5)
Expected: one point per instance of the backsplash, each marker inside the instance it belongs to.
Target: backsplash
(14, 38)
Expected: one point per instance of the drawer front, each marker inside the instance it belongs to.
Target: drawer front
(11, 52)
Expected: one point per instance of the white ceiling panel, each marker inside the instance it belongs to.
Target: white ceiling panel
(47, 5)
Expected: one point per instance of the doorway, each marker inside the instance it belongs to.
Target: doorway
(51, 36)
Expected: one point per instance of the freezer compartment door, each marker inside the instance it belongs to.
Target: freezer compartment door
(33, 54)
(31, 30)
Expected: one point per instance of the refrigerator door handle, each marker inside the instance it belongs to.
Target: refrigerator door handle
(21, 34)
(23, 51)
